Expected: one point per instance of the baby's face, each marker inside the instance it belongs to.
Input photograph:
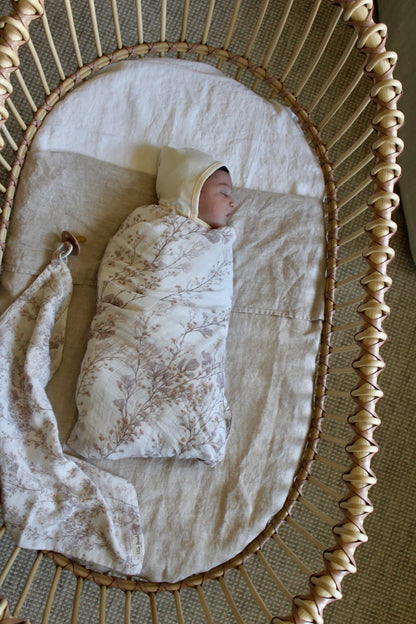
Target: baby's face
(215, 202)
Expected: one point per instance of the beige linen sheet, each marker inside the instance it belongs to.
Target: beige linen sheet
(183, 103)
(271, 351)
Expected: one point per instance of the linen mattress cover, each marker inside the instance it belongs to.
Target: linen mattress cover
(86, 176)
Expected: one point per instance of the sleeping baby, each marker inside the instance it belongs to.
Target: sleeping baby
(152, 380)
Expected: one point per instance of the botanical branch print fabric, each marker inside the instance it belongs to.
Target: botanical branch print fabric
(152, 380)
(51, 501)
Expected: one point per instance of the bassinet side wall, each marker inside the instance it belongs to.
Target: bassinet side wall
(370, 39)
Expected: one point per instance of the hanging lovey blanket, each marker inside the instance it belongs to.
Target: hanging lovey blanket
(50, 500)
(152, 379)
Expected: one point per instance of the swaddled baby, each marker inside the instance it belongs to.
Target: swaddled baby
(152, 379)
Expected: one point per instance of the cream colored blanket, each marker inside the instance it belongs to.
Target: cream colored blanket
(51, 501)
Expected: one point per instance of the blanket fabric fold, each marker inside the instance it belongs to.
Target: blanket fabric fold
(52, 501)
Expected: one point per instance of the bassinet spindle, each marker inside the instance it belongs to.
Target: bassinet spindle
(327, 61)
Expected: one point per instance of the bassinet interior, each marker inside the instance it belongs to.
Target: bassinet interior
(287, 53)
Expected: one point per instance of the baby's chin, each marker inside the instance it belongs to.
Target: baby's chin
(219, 224)
(216, 226)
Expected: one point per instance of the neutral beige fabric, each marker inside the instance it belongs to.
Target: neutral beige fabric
(271, 353)
(51, 501)
(200, 108)
(284, 234)
(96, 198)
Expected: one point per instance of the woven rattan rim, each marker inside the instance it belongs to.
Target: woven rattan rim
(325, 586)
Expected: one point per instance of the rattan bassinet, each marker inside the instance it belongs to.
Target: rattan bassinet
(327, 61)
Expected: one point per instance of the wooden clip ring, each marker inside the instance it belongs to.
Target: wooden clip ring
(71, 238)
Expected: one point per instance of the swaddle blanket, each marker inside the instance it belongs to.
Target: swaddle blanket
(152, 379)
(51, 501)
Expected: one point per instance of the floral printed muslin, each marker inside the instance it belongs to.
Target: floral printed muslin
(50, 500)
(152, 380)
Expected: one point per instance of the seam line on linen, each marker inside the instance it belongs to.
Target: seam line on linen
(271, 312)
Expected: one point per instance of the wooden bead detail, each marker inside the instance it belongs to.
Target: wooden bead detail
(326, 587)
(362, 447)
(373, 309)
(308, 611)
(339, 561)
(364, 420)
(5, 616)
(350, 533)
(369, 364)
(356, 506)
(386, 171)
(386, 90)
(14, 33)
(359, 478)
(372, 37)
(378, 254)
(388, 118)
(376, 281)
(381, 63)
(381, 227)
(366, 392)
(358, 10)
